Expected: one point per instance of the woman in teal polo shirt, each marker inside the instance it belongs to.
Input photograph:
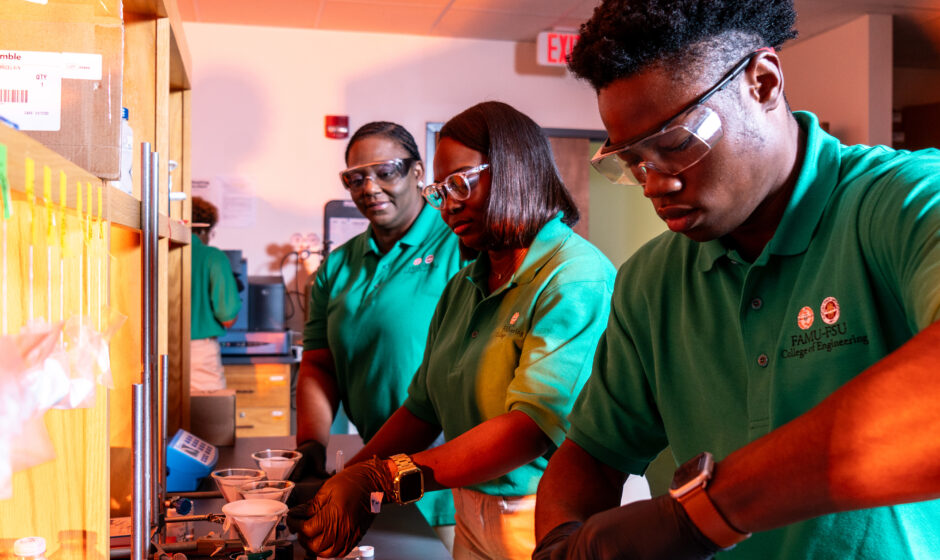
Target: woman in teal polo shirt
(371, 303)
(509, 347)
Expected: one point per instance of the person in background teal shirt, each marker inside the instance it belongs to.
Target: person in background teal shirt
(371, 303)
(215, 303)
(783, 338)
(508, 349)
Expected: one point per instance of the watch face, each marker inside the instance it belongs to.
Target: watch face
(694, 471)
(411, 486)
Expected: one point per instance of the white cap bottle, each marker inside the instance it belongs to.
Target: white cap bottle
(32, 548)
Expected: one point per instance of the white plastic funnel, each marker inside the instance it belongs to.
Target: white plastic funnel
(229, 480)
(267, 490)
(254, 520)
(277, 463)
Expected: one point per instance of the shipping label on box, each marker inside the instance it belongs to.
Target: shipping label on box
(31, 89)
(61, 69)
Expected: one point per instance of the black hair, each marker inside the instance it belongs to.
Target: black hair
(389, 130)
(526, 191)
(625, 37)
(204, 212)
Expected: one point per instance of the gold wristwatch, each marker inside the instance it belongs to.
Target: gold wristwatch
(407, 481)
(688, 487)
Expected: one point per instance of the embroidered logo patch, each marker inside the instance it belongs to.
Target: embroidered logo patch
(805, 318)
(829, 310)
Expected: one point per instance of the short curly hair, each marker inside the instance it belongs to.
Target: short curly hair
(625, 37)
(204, 212)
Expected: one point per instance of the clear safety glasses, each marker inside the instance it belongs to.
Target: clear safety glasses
(676, 146)
(457, 185)
(383, 173)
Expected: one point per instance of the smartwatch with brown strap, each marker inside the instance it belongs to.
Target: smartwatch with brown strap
(688, 488)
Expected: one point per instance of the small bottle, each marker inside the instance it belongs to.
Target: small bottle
(30, 548)
(126, 183)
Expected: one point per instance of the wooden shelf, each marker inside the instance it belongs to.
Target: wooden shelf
(178, 232)
(20, 146)
(121, 208)
(180, 61)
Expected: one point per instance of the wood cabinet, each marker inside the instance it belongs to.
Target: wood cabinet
(69, 500)
(262, 398)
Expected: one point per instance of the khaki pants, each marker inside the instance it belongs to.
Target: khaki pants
(493, 527)
(205, 365)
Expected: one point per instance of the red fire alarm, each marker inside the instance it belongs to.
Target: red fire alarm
(337, 126)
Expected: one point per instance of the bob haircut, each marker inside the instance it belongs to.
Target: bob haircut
(389, 130)
(526, 191)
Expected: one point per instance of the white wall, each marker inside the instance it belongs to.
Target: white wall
(845, 77)
(260, 95)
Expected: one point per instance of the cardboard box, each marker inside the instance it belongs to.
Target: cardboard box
(61, 75)
(212, 416)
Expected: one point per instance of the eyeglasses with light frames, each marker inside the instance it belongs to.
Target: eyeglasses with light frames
(457, 185)
(383, 173)
(681, 142)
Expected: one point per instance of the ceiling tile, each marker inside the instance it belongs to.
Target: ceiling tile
(396, 3)
(187, 10)
(376, 17)
(533, 7)
(487, 25)
(276, 13)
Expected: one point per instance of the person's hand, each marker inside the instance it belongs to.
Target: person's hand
(309, 473)
(656, 529)
(332, 523)
(312, 462)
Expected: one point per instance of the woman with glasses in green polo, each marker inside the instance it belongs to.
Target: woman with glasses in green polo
(509, 348)
(371, 303)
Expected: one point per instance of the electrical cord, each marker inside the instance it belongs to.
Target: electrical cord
(297, 292)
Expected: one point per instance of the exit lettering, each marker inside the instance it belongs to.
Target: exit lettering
(553, 47)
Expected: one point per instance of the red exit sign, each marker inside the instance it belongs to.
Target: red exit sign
(553, 47)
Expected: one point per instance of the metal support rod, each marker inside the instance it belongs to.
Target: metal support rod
(211, 517)
(140, 542)
(148, 234)
(208, 495)
(161, 449)
(153, 214)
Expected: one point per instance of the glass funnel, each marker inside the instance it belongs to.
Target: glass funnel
(254, 520)
(229, 480)
(277, 463)
(267, 489)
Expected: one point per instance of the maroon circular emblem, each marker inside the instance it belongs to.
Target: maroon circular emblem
(805, 318)
(829, 310)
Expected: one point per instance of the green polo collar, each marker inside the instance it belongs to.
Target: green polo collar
(547, 242)
(418, 231)
(818, 178)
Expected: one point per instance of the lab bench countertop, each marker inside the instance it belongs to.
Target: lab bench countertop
(398, 533)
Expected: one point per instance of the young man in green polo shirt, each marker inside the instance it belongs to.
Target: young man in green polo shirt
(787, 324)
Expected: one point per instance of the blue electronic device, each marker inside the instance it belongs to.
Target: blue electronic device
(188, 460)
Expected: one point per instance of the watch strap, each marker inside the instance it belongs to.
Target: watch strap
(403, 466)
(706, 517)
